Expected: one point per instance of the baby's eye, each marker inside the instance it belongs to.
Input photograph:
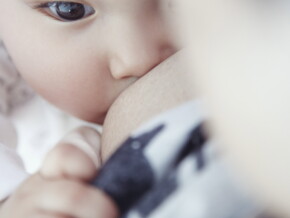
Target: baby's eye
(67, 11)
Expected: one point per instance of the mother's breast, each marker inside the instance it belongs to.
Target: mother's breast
(165, 87)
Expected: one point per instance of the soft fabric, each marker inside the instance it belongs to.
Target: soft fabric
(168, 168)
(12, 171)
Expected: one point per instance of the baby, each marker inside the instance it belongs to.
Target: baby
(79, 56)
(70, 52)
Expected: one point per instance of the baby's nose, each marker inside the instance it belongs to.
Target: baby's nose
(137, 60)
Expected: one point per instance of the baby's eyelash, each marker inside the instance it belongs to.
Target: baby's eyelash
(47, 3)
(65, 10)
(43, 5)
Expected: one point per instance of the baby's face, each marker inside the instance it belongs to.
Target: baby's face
(81, 55)
(240, 50)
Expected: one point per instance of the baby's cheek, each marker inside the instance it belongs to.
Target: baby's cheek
(62, 84)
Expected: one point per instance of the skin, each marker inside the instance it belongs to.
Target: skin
(241, 51)
(82, 66)
(165, 87)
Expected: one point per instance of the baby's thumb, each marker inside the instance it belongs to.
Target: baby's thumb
(75, 157)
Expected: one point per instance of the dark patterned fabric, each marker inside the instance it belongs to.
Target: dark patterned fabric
(128, 175)
(169, 168)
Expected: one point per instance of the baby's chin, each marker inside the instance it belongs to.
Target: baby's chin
(91, 117)
(96, 114)
(98, 119)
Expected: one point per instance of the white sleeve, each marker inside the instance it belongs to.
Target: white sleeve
(11, 170)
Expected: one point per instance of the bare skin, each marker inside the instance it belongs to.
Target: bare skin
(105, 52)
(163, 88)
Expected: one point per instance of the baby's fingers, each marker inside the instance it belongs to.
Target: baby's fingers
(73, 199)
(38, 197)
(67, 161)
(86, 139)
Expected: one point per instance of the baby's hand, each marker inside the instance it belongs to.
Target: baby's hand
(77, 156)
(61, 190)
(61, 198)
